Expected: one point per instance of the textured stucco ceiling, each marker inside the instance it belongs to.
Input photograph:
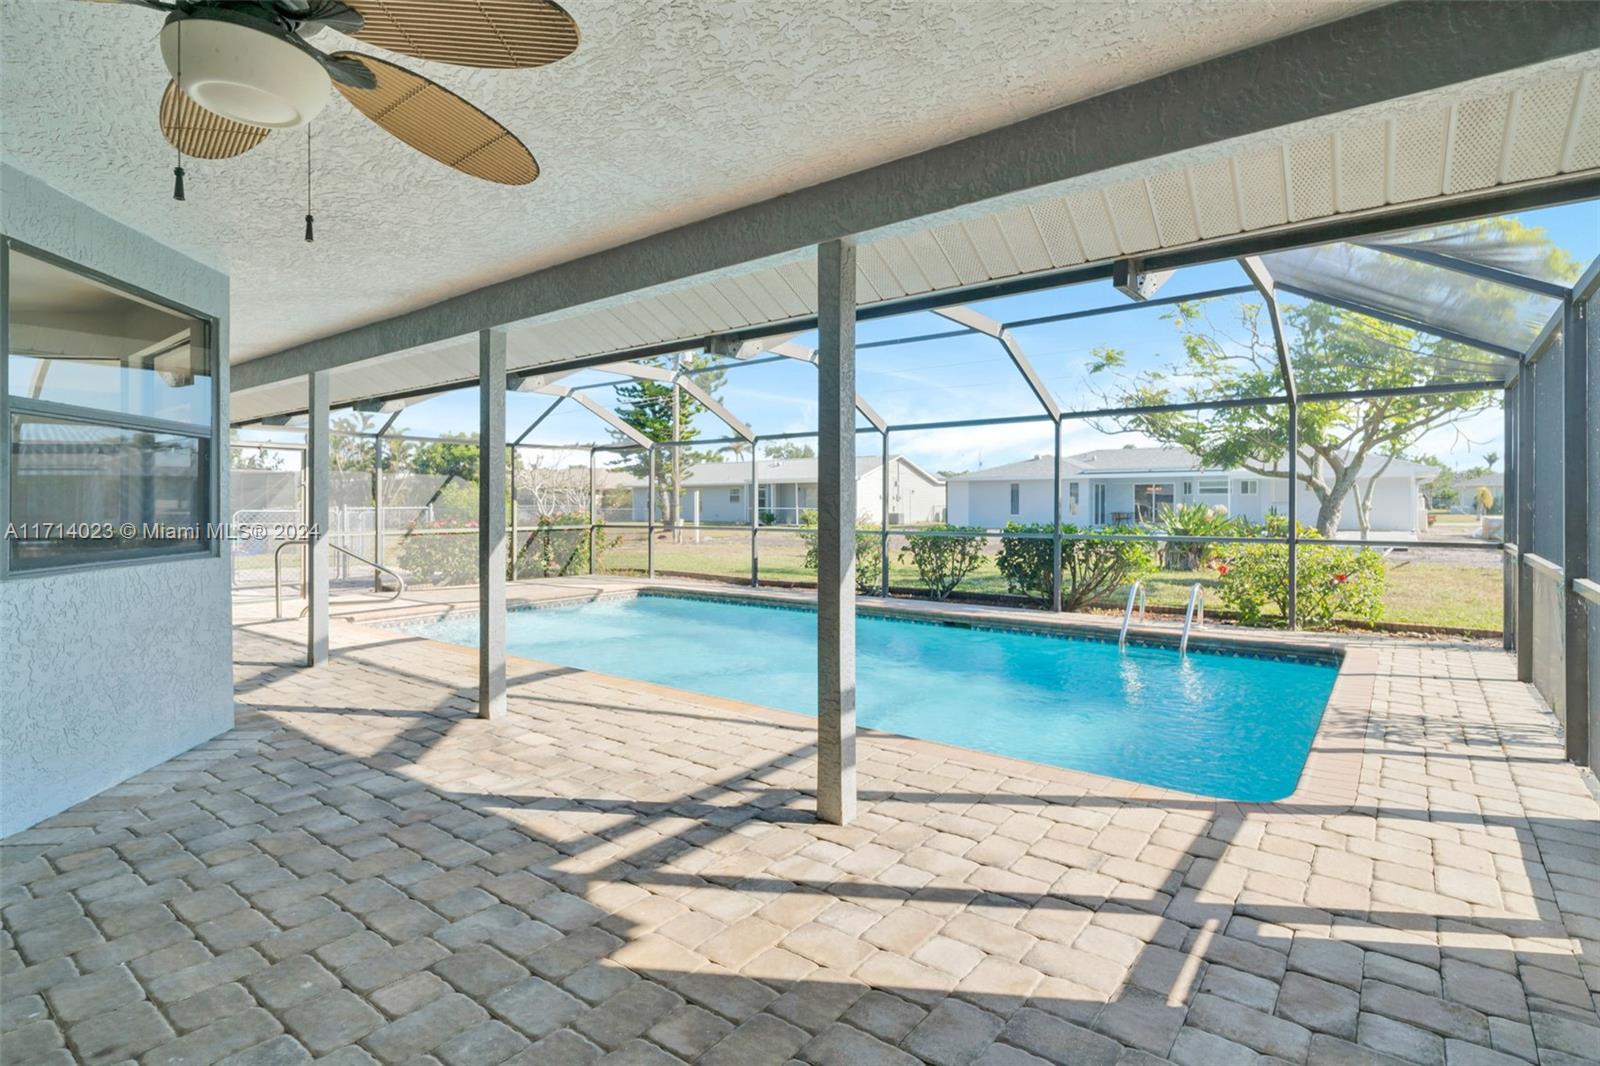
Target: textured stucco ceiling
(669, 112)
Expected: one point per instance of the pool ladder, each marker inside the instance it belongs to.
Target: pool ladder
(1194, 614)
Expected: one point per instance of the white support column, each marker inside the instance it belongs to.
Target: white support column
(318, 492)
(491, 524)
(836, 533)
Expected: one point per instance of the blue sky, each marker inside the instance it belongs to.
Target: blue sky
(970, 376)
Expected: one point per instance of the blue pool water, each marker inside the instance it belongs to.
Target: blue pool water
(1219, 725)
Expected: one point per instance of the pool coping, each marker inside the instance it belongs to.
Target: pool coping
(1328, 779)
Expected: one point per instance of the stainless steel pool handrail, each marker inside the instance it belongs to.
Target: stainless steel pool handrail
(1196, 612)
(1135, 589)
(277, 575)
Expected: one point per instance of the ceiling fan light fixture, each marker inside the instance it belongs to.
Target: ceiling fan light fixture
(243, 73)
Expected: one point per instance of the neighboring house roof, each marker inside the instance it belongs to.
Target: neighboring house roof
(1495, 482)
(703, 475)
(1132, 461)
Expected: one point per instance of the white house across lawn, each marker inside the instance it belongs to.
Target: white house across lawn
(719, 493)
(1116, 486)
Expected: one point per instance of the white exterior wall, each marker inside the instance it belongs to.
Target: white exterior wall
(988, 503)
(106, 672)
(917, 499)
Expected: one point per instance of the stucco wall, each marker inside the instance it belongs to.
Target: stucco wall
(107, 672)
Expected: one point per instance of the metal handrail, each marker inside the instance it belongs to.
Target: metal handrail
(1196, 612)
(1135, 589)
(277, 575)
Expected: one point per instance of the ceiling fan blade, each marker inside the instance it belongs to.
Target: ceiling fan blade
(194, 131)
(347, 70)
(438, 123)
(484, 33)
(313, 15)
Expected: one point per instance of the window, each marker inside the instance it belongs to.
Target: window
(109, 415)
(1016, 498)
(733, 494)
(1213, 488)
(1072, 497)
(763, 495)
(1247, 488)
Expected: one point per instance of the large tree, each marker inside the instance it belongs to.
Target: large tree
(1344, 445)
(662, 412)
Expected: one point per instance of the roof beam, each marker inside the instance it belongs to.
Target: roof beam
(1378, 55)
(799, 352)
(687, 384)
(1256, 271)
(548, 411)
(1402, 321)
(1498, 275)
(599, 410)
(982, 323)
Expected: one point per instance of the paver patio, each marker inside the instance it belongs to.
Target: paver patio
(361, 870)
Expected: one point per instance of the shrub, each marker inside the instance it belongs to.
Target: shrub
(552, 552)
(440, 558)
(869, 551)
(1193, 520)
(1334, 582)
(944, 555)
(1091, 568)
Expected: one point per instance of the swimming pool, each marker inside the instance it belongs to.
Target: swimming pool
(1228, 726)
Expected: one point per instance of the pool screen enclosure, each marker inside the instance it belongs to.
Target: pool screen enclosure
(1532, 347)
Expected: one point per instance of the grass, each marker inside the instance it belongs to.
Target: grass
(1417, 593)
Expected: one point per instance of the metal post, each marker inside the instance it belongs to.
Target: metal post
(836, 540)
(1508, 510)
(883, 537)
(650, 519)
(491, 524)
(318, 491)
(755, 513)
(674, 500)
(591, 510)
(377, 511)
(1294, 518)
(1527, 473)
(1575, 445)
(1055, 529)
(511, 503)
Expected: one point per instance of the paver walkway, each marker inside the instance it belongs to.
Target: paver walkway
(361, 871)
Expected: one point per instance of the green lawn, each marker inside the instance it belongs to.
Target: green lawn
(1420, 593)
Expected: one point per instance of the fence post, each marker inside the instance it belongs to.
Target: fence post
(755, 513)
(1294, 520)
(883, 537)
(650, 519)
(1055, 530)
(377, 511)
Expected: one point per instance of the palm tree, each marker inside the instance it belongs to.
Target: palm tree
(1491, 458)
(737, 449)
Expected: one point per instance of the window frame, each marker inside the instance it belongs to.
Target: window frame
(1015, 499)
(209, 546)
(1249, 486)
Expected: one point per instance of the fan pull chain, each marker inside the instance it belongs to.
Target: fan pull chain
(177, 171)
(309, 235)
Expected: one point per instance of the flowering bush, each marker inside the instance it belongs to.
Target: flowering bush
(1334, 582)
(553, 552)
(440, 558)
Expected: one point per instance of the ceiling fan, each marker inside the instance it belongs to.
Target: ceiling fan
(243, 68)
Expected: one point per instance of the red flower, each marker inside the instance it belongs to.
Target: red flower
(1222, 568)
(1339, 579)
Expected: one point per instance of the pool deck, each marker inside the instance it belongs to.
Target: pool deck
(620, 872)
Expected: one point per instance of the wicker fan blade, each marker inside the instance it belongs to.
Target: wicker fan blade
(438, 123)
(482, 33)
(194, 131)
